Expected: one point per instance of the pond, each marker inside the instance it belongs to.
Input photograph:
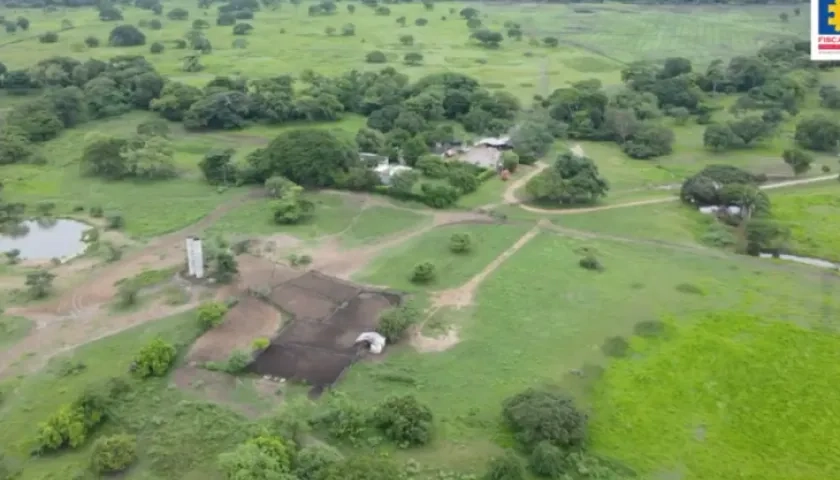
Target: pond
(46, 239)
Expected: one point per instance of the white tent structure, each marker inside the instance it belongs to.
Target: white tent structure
(375, 340)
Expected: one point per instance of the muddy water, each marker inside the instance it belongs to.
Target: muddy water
(44, 240)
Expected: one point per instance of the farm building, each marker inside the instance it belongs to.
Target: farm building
(500, 143)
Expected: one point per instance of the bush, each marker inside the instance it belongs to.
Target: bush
(126, 36)
(590, 262)
(615, 347)
(242, 29)
(237, 362)
(404, 421)
(113, 454)
(432, 166)
(211, 315)
(505, 467)
(92, 42)
(376, 57)
(115, 221)
(460, 243)
(510, 161)
(394, 322)
(344, 420)
(547, 460)
(155, 359)
(312, 461)
(423, 272)
(260, 344)
(537, 415)
(96, 212)
(157, 47)
(155, 24)
(48, 37)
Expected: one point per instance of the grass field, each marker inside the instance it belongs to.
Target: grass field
(734, 397)
(811, 215)
(595, 40)
(541, 315)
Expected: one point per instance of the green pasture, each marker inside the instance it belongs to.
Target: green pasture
(733, 397)
(596, 40)
(394, 267)
(540, 315)
(811, 214)
(374, 223)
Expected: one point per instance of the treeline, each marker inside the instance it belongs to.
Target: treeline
(87, 3)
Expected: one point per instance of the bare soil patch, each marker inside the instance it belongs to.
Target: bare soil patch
(320, 342)
(249, 319)
(220, 388)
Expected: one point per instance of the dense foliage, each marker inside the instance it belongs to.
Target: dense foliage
(572, 179)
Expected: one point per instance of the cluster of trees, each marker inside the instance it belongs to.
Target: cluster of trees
(72, 92)
(571, 180)
(148, 155)
(725, 185)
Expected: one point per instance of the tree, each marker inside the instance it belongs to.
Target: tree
(310, 157)
(487, 38)
(547, 460)
(407, 40)
(382, 11)
(113, 454)
(649, 141)
(22, 23)
(155, 24)
(538, 415)
(369, 140)
(423, 272)
(551, 42)
(211, 314)
(250, 462)
(313, 461)
(704, 187)
(571, 180)
(15, 147)
(225, 19)
(460, 242)
(225, 110)
(126, 36)
(505, 467)
(401, 21)
(330, 31)
(533, 139)
(413, 58)
(48, 37)
(404, 420)
(109, 13)
(291, 208)
(156, 127)
(351, 8)
(404, 181)
(217, 167)
(623, 123)
(175, 100)
(510, 161)
(376, 57)
(156, 48)
(421, 22)
(242, 29)
(818, 132)
(783, 17)
(799, 160)
(348, 30)
(178, 14)
(102, 156)
(39, 283)
(468, 13)
(154, 359)
(394, 322)
(149, 158)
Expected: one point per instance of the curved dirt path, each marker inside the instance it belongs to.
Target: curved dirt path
(509, 194)
(463, 296)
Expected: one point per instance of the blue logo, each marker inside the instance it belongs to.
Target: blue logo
(828, 17)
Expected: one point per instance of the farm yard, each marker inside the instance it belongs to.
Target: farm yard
(646, 263)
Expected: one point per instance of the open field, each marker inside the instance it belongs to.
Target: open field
(588, 48)
(680, 407)
(811, 214)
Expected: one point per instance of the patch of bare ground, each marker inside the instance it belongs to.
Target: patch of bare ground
(248, 320)
(461, 297)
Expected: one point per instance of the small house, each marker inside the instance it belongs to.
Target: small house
(500, 143)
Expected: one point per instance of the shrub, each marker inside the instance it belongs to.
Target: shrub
(690, 289)
(92, 42)
(48, 37)
(615, 347)
(157, 47)
(242, 29)
(649, 329)
(115, 221)
(394, 322)
(155, 24)
(237, 362)
(505, 467)
(547, 460)
(539, 415)
(211, 315)
(404, 421)
(155, 359)
(590, 262)
(376, 57)
(178, 14)
(312, 461)
(113, 454)
(344, 420)
(127, 295)
(260, 343)
(420, 22)
(423, 272)
(460, 242)
(510, 161)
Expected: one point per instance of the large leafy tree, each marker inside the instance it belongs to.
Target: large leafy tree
(310, 157)
(571, 180)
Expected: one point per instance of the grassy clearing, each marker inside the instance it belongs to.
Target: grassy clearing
(13, 329)
(333, 214)
(394, 268)
(735, 396)
(516, 66)
(377, 222)
(176, 436)
(811, 215)
(541, 315)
